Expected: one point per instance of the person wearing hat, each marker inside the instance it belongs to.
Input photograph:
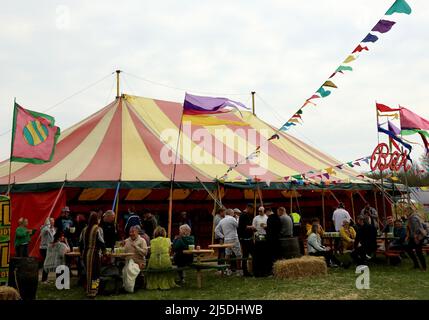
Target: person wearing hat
(64, 223)
(237, 213)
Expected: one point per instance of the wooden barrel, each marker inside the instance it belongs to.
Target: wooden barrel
(24, 276)
(289, 248)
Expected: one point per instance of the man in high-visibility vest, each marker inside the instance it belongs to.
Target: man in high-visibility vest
(296, 218)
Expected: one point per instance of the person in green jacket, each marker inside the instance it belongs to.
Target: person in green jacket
(180, 243)
(22, 238)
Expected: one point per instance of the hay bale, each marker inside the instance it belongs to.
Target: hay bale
(9, 293)
(306, 266)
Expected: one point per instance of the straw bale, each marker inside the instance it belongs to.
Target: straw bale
(306, 266)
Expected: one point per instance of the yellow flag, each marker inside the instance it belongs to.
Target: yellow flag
(200, 120)
(329, 83)
(350, 58)
(330, 171)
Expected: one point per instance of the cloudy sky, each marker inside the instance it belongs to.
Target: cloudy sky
(282, 49)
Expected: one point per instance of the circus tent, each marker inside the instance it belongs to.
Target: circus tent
(129, 141)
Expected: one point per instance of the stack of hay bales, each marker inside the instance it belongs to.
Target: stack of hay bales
(306, 266)
(9, 293)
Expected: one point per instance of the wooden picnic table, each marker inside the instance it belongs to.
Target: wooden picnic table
(218, 246)
(198, 254)
(120, 254)
(73, 254)
(330, 237)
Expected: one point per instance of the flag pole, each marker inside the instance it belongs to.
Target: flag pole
(173, 175)
(405, 175)
(11, 151)
(117, 84)
(253, 102)
(381, 172)
(115, 204)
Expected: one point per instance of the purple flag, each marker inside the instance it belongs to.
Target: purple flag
(207, 105)
(370, 38)
(383, 26)
(393, 128)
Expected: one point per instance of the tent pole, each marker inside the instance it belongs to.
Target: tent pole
(218, 198)
(56, 199)
(170, 202)
(117, 84)
(259, 193)
(253, 102)
(333, 195)
(375, 199)
(323, 209)
(214, 215)
(254, 203)
(353, 205)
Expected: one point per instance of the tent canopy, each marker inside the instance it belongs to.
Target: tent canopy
(134, 139)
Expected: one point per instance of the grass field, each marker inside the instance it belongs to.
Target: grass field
(386, 282)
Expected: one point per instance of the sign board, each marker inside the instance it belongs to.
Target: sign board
(4, 238)
(385, 159)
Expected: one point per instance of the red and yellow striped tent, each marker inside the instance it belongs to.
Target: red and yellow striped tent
(128, 141)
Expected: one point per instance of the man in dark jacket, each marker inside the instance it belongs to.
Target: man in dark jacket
(245, 234)
(149, 222)
(365, 243)
(133, 220)
(273, 235)
(109, 229)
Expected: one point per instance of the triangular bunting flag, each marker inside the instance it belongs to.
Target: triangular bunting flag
(359, 48)
(349, 59)
(329, 83)
(344, 68)
(400, 6)
(323, 93)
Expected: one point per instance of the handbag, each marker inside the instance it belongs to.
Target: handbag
(129, 275)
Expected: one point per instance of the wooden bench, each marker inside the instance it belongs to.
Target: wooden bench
(199, 266)
(390, 254)
(194, 266)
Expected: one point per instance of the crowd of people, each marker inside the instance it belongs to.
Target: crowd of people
(150, 248)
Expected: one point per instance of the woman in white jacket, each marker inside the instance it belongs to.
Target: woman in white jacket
(315, 247)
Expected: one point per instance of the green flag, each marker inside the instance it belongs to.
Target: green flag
(400, 6)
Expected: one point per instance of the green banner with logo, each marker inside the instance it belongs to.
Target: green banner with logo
(4, 238)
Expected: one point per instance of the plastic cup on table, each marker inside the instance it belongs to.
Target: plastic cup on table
(191, 247)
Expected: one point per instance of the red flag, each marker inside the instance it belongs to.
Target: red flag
(34, 136)
(359, 48)
(383, 108)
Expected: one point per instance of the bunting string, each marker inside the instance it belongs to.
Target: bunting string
(381, 27)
